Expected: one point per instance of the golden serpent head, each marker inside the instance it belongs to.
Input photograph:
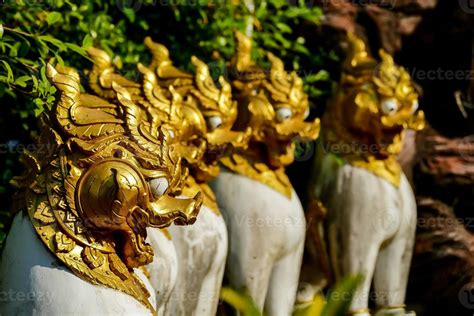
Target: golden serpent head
(118, 171)
(272, 103)
(375, 101)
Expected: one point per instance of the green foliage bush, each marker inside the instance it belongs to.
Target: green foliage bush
(33, 31)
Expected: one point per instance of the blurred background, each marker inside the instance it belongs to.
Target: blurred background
(433, 39)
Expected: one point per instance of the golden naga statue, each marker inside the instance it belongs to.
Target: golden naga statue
(375, 103)
(111, 174)
(274, 105)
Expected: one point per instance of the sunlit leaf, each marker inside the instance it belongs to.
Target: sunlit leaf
(340, 297)
(87, 41)
(76, 49)
(53, 17)
(241, 301)
(22, 81)
(8, 69)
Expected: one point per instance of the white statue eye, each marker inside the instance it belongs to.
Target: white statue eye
(414, 106)
(283, 114)
(158, 186)
(214, 122)
(389, 106)
(306, 114)
(171, 133)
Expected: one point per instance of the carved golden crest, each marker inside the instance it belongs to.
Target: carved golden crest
(274, 105)
(110, 174)
(375, 103)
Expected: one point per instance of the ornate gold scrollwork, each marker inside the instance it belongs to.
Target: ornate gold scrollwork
(273, 104)
(108, 175)
(374, 104)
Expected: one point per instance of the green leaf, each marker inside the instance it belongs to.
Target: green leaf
(56, 42)
(44, 78)
(59, 59)
(76, 49)
(43, 49)
(129, 13)
(314, 308)
(321, 75)
(14, 49)
(144, 25)
(1, 31)
(24, 48)
(39, 102)
(284, 28)
(21, 81)
(35, 83)
(8, 69)
(340, 297)
(53, 17)
(88, 41)
(38, 112)
(241, 301)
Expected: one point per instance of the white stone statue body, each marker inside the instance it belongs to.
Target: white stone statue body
(371, 209)
(371, 228)
(197, 269)
(266, 233)
(162, 272)
(264, 216)
(202, 253)
(34, 282)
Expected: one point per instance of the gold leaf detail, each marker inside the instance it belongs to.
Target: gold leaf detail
(93, 257)
(63, 243)
(118, 267)
(44, 214)
(39, 185)
(55, 163)
(58, 189)
(275, 179)
(57, 175)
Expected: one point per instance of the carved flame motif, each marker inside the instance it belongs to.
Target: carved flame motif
(375, 103)
(273, 104)
(91, 200)
(214, 102)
